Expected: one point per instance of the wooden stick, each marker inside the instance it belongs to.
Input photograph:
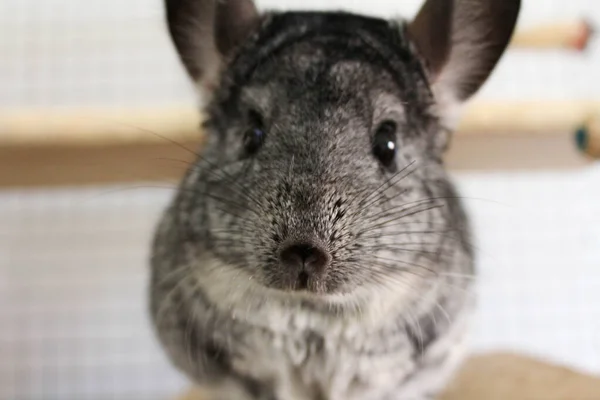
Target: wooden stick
(127, 126)
(97, 127)
(573, 35)
(581, 119)
(525, 117)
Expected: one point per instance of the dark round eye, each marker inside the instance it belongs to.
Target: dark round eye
(384, 143)
(254, 136)
(253, 139)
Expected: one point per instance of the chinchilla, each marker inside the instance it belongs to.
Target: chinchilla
(317, 249)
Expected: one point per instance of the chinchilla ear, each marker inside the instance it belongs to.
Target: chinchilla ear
(207, 31)
(460, 42)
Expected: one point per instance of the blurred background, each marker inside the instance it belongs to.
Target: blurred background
(74, 252)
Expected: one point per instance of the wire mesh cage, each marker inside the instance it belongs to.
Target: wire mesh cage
(74, 260)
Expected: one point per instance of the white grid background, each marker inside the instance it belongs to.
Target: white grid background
(73, 262)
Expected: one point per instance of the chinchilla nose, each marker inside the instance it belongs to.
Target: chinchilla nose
(305, 257)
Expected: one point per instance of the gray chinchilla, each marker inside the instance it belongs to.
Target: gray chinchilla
(316, 250)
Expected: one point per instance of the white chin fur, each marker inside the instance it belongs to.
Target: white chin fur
(235, 292)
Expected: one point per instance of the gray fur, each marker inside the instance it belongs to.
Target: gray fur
(387, 318)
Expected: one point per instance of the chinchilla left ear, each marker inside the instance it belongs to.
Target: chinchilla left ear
(207, 31)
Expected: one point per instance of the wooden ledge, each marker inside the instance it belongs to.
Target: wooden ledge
(76, 147)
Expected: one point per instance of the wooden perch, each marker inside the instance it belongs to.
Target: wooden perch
(66, 147)
(579, 120)
(98, 127)
(181, 124)
(571, 35)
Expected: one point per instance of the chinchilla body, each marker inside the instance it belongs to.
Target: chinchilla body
(316, 249)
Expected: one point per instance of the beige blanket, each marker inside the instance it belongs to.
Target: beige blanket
(509, 377)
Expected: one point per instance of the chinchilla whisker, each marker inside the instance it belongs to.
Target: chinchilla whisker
(388, 279)
(188, 332)
(410, 232)
(463, 290)
(225, 201)
(410, 264)
(484, 200)
(402, 243)
(235, 187)
(235, 243)
(392, 278)
(389, 217)
(291, 168)
(170, 275)
(384, 279)
(204, 187)
(389, 223)
(372, 192)
(420, 245)
(446, 234)
(386, 267)
(458, 275)
(403, 215)
(398, 232)
(443, 311)
(173, 142)
(382, 195)
(195, 191)
(379, 198)
(413, 225)
(410, 318)
(234, 247)
(393, 180)
(403, 207)
(233, 233)
(134, 187)
(158, 135)
(439, 280)
(402, 210)
(195, 167)
(434, 320)
(238, 230)
(400, 249)
(189, 164)
(420, 223)
(229, 212)
(441, 235)
(213, 166)
(164, 307)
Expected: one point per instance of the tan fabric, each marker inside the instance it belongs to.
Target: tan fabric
(193, 394)
(514, 377)
(509, 377)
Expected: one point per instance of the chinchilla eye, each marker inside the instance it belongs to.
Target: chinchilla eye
(254, 136)
(253, 139)
(384, 143)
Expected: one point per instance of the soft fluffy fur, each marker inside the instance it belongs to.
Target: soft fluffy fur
(387, 319)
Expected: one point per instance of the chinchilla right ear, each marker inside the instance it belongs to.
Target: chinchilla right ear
(207, 31)
(460, 42)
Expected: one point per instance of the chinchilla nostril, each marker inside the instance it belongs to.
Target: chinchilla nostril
(305, 257)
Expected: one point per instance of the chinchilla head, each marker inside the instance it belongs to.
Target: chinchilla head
(321, 175)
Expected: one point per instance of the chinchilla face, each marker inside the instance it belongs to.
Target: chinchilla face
(322, 170)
